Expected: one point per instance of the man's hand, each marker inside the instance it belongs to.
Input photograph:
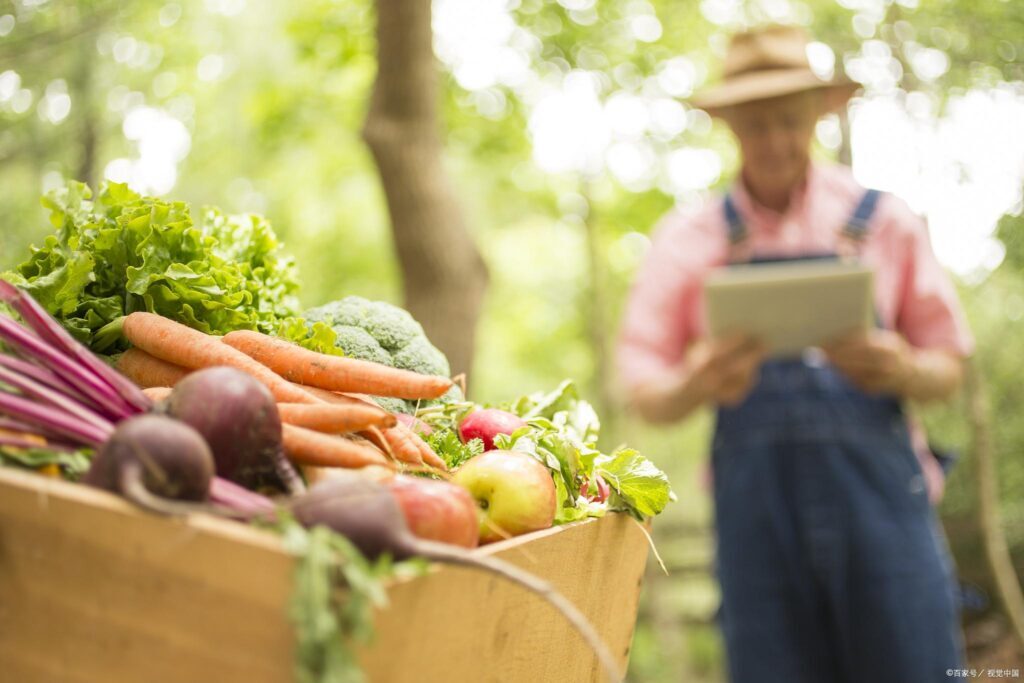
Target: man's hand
(876, 361)
(724, 371)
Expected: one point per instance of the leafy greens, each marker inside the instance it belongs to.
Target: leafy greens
(123, 253)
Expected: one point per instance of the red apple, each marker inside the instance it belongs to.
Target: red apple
(514, 491)
(436, 510)
(487, 423)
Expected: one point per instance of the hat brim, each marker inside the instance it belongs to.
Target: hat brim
(764, 85)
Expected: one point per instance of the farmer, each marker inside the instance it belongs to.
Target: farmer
(832, 565)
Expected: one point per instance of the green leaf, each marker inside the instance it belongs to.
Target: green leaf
(642, 487)
(124, 253)
(72, 465)
(335, 594)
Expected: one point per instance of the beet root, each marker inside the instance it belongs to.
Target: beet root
(149, 458)
(369, 515)
(238, 417)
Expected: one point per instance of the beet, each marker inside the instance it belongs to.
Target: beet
(152, 457)
(366, 512)
(238, 417)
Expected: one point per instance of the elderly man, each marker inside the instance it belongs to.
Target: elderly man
(832, 565)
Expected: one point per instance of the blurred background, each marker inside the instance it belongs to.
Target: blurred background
(565, 136)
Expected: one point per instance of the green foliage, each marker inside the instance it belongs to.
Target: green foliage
(128, 253)
(562, 432)
(72, 465)
(446, 443)
(336, 591)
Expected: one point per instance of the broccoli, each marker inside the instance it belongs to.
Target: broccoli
(383, 333)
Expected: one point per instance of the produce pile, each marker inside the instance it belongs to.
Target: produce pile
(339, 429)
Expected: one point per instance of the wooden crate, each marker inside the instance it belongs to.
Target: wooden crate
(93, 590)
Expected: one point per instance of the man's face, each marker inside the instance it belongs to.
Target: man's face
(775, 137)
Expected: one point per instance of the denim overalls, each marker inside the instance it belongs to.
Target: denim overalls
(832, 564)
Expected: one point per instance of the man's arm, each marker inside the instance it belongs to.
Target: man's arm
(721, 372)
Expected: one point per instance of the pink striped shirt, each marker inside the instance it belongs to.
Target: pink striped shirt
(914, 295)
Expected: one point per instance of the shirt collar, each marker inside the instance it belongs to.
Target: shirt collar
(759, 216)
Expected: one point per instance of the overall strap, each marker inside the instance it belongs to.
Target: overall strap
(739, 246)
(737, 229)
(857, 225)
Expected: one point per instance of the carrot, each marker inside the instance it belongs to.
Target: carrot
(147, 371)
(426, 452)
(402, 446)
(306, 447)
(334, 397)
(157, 393)
(181, 345)
(335, 373)
(334, 419)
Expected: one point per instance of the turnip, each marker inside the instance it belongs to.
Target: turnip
(487, 423)
(238, 417)
(153, 460)
(368, 514)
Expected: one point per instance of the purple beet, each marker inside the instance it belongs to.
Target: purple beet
(238, 417)
(368, 514)
(151, 460)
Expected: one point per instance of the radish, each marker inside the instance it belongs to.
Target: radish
(153, 460)
(238, 417)
(487, 423)
(368, 514)
(415, 424)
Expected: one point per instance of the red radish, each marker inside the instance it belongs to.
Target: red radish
(487, 423)
(417, 425)
(602, 492)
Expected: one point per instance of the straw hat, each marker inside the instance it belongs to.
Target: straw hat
(767, 62)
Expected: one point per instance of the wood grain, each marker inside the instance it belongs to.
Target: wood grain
(92, 590)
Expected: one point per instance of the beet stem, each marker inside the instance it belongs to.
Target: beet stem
(442, 552)
(28, 444)
(133, 487)
(51, 418)
(39, 320)
(29, 386)
(80, 377)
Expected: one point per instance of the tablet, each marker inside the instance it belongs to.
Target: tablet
(790, 306)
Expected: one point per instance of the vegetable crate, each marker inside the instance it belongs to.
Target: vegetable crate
(94, 590)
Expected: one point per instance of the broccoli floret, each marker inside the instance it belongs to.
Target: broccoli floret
(357, 343)
(419, 355)
(384, 333)
(391, 326)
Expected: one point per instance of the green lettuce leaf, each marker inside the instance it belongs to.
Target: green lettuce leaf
(122, 253)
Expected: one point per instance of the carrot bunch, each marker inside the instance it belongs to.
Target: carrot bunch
(329, 418)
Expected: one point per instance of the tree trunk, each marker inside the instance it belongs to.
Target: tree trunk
(89, 117)
(444, 275)
(986, 479)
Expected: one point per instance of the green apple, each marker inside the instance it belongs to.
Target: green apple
(513, 491)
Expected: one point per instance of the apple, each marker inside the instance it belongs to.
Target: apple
(602, 492)
(514, 491)
(436, 510)
(487, 423)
